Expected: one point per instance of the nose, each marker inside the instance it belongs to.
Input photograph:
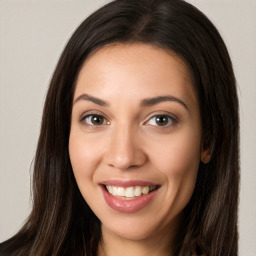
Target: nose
(125, 151)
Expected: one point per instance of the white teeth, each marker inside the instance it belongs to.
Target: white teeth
(121, 191)
(145, 190)
(110, 189)
(115, 191)
(137, 191)
(130, 192)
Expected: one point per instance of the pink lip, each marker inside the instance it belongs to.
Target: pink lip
(127, 205)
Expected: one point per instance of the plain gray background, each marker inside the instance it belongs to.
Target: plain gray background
(32, 35)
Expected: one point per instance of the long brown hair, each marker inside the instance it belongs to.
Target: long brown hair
(61, 223)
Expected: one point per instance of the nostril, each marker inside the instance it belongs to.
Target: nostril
(134, 166)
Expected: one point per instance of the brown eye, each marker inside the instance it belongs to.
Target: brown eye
(97, 120)
(161, 120)
(94, 120)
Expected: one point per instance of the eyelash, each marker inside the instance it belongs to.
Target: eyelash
(83, 120)
(171, 120)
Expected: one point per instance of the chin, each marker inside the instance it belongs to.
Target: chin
(137, 228)
(133, 233)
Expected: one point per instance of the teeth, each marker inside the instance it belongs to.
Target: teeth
(145, 190)
(110, 189)
(130, 192)
(137, 191)
(115, 191)
(121, 191)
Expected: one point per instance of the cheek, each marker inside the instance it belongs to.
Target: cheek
(84, 157)
(178, 154)
(177, 159)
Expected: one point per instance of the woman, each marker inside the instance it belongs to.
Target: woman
(138, 151)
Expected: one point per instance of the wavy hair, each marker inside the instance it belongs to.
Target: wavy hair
(61, 223)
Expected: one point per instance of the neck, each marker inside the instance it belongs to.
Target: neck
(157, 244)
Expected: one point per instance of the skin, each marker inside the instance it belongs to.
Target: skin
(129, 144)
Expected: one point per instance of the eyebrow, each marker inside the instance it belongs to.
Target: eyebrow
(144, 103)
(95, 100)
(159, 99)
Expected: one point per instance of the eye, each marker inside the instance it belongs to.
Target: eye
(94, 120)
(161, 120)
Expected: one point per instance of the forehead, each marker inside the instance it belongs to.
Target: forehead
(145, 69)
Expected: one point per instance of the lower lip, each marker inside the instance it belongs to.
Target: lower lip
(127, 205)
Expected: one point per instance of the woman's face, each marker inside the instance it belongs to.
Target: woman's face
(135, 139)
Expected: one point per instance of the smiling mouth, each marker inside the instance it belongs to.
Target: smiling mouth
(128, 196)
(130, 192)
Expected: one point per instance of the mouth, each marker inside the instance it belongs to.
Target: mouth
(128, 196)
(131, 192)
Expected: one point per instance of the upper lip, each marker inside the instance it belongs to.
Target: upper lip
(128, 183)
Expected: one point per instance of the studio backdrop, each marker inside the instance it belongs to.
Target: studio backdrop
(32, 35)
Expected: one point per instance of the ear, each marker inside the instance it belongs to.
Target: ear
(205, 155)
